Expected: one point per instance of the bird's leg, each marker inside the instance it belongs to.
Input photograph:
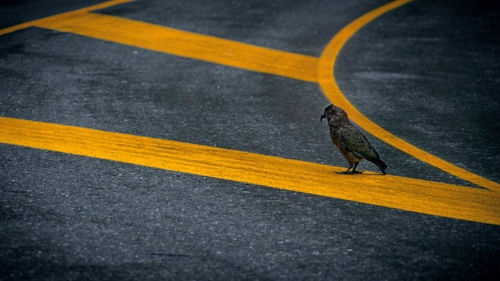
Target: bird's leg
(348, 171)
(354, 169)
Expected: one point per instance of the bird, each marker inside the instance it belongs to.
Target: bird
(349, 140)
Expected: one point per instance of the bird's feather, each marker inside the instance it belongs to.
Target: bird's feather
(354, 141)
(353, 145)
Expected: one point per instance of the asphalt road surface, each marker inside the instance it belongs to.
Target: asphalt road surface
(426, 71)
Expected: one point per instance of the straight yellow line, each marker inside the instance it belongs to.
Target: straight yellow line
(86, 9)
(327, 81)
(427, 197)
(186, 44)
(177, 42)
(16, 27)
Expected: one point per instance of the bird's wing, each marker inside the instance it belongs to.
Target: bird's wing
(354, 141)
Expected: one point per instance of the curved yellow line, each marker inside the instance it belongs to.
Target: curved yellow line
(327, 82)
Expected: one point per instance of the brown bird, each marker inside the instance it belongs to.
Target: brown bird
(353, 145)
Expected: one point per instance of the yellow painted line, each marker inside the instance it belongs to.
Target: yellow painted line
(177, 42)
(186, 44)
(16, 27)
(245, 56)
(227, 52)
(415, 195)
(389, 191)
(327, 81)
(86, 9)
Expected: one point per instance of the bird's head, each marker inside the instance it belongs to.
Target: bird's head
(335, 116)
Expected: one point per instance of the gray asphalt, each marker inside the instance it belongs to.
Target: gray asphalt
(426, 71)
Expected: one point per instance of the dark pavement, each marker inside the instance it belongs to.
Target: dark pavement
(427, 72)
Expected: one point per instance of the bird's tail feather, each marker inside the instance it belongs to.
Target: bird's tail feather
(380, 164)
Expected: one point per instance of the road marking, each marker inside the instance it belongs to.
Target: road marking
(83, 10)
(415, 195)
(389, 191)
(177, 42)
(245, 56)
(186, 44)
(327, 82)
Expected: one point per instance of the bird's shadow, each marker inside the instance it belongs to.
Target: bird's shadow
(362, 173)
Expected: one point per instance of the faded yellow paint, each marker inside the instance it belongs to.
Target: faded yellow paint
(83, 10)
(327, 81)
(416, 195)
(186, 44)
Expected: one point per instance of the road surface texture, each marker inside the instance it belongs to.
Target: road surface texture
(221, 169)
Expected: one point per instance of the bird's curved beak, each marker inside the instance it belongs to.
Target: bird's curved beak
(322, 116)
